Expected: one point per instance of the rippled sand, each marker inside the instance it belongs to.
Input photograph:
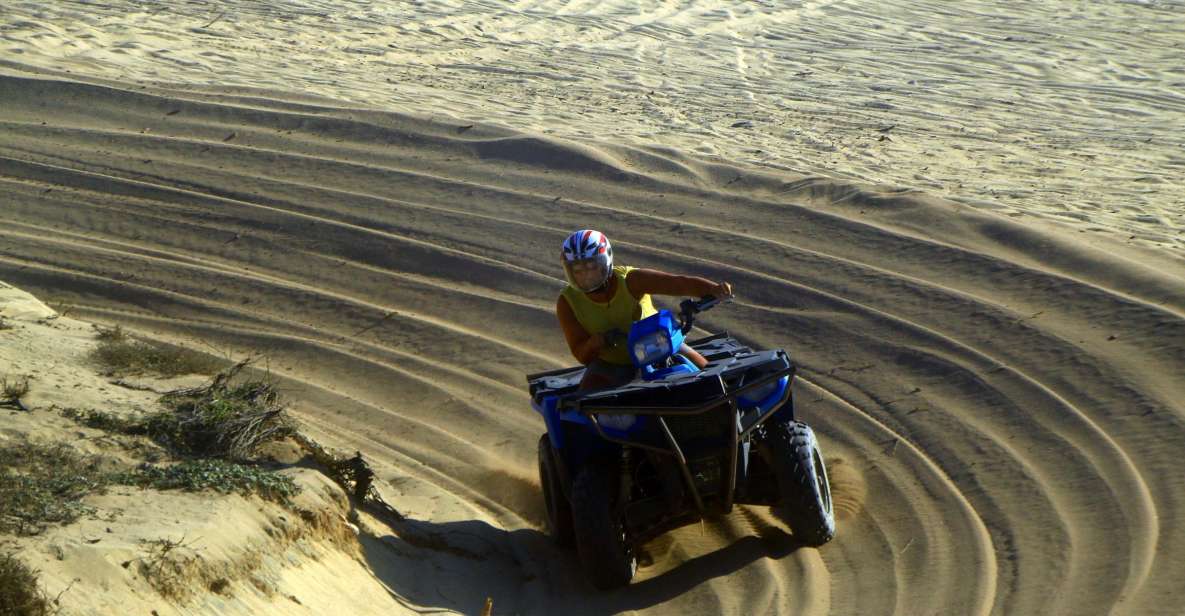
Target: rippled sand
(999, 401)
(1067, 111)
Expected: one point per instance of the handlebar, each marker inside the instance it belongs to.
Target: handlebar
(688, 308)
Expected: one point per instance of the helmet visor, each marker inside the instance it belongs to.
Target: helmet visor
(588, 275)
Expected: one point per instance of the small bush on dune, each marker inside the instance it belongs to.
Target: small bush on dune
(224, 420)
(20, 594)
(221, 419)
(118, 353)
(165, 566)
(110, 334)
(107, 422)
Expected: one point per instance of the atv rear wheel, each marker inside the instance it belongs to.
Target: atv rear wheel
(804, 495)
(605, 553)
(559, 510)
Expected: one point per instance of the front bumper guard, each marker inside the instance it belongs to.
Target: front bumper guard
(660, 412)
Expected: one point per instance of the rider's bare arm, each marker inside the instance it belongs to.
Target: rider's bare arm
(584, 346)
(643, 281)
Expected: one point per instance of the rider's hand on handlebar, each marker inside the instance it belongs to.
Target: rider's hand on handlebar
(607, 340)
(614, 338)
(722, 291)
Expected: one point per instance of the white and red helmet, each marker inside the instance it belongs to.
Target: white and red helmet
(588, 260)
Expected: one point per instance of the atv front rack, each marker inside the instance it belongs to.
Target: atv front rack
(588, 406)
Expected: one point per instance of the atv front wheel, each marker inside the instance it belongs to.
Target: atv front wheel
(559, 511)
(605, 554)
(804, 495)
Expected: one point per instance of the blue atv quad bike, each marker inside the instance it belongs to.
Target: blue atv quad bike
(621, 466)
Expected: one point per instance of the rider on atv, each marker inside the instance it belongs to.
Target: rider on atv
(640, 443)
(601, 301)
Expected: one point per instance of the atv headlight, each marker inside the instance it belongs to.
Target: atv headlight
(651, 348)
(617, 421)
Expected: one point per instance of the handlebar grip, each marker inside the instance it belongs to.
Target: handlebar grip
(707, 301)
(689, 307)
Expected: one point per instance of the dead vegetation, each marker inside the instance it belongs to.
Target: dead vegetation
(120, 354)
(226, 418)
(168, 565)
(353, 474)
(20, 592)
(177, 568)
(12, 391)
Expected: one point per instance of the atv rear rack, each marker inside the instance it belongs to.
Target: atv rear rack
(563, 381)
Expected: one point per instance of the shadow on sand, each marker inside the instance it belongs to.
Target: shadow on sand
(455, 566)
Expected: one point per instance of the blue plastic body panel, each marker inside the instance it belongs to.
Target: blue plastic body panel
(772, 397)
(572, 434)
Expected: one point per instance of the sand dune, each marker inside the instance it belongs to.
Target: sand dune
(1000, 403)
(1044, 111)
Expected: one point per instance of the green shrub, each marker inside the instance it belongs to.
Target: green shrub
(206, 474)
(20, 594)
(42, 485)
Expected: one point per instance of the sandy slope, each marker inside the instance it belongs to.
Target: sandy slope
(230, 554)
(1001, 406)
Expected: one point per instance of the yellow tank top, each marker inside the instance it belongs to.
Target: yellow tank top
(618, 313)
